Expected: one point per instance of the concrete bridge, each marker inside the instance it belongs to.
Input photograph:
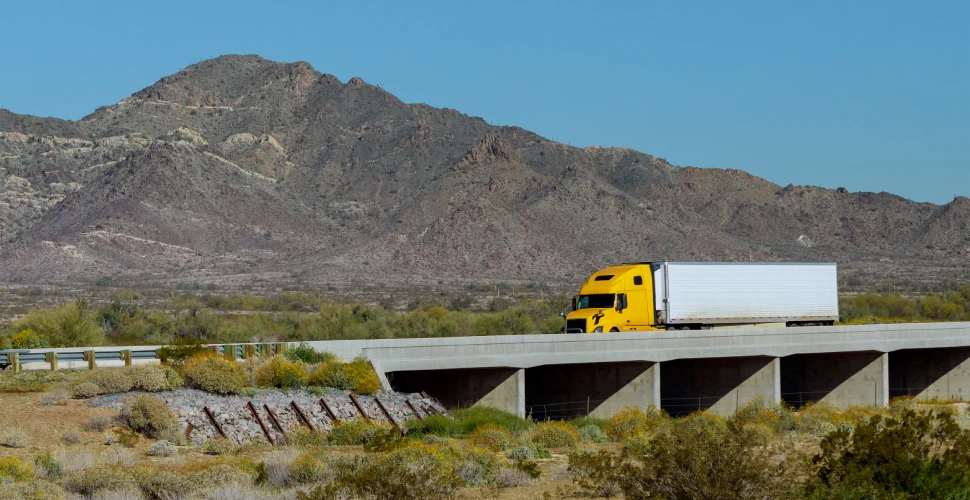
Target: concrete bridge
(559, 376)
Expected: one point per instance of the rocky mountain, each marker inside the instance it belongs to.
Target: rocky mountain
(240, 169)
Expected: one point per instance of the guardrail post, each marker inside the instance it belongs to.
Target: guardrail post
(264, 349)
(89, 356)
(279, 348)
(162, 354)
(229, 351)
(51, 357)
(126, 356)
(249, 351)
(13, 359)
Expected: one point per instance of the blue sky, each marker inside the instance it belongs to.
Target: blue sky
(866, 95)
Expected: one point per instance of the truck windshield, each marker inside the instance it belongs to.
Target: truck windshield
(596, 301)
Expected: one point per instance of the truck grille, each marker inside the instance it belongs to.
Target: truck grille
(575, 326)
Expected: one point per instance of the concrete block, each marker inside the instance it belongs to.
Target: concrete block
(842, 379)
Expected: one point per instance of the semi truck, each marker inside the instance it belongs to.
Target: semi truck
(702, 295)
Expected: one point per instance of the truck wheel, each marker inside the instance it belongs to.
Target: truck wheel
(614, 329)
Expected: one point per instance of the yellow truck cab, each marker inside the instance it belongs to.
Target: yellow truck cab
(701, 295)
(618, 298)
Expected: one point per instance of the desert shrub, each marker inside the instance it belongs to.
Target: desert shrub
(511, 477)
(57, 396)
(86, 390)
(555, 434)
(914, 455)
(638, 444)
(71, 437)
(161, 448)
(776, 416)
(110, 381)
(309, 355)
(97, 479)
(415, 471)
(591, 433)
(330, 374)
(117, 455)
(363, 378)
(70, 325)
(47, 466)
(123, 436)
(162, 484)
(702, 456)
(466, 420)
(27, 339)
(630, 421)
(69, 461)
(306, 437)
(31, 489)
(522, 453)
(282, 373)
(596, 473)
(476, 466)
(100, 423)
(14, 438)
(149, 415)
(491, 437)
(352, 432)
(213, 374)
(307, 469)
(172, 378)
(148, 378)
(177, 354)
(14, 469)
(278, 468)
(219, 446)
(820, 419)
(435, 425)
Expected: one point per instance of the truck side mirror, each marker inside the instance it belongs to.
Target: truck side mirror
(574, 304)
(621, 302)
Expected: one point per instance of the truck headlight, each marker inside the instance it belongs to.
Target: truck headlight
(598, 329)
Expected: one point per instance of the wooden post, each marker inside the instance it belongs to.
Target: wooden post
(229, 352)
(13, 359)
(51, 357)
(126, 356)
(89, 356)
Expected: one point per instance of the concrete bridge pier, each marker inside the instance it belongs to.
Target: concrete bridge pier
(502, 388)
(841, 379)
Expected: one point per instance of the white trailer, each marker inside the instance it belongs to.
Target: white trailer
(691, 294)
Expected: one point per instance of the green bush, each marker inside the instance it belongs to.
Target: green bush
(47, 466)
(917, 455)
(331, 374)
(214, 374)
(306, 354)
(590, 433)
(491, 437)
(306, 469)
(149, 415)
(282, 373)
(71, 325)
(110, 381)
(631, 421)
(98, 479)
(555, 434)
(86, 390)
(353, 432)
(597, 474)
(469, 419)
(32, 489)
(13, 469)
(148, 378)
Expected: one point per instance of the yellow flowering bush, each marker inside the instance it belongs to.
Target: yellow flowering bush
(282, 373)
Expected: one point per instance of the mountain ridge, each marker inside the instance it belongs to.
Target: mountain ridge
(240, 168)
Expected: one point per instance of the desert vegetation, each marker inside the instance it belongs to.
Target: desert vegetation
(128, 319)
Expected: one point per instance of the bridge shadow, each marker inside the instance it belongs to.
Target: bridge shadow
(842, 378)
(554, 392)
(930, 373)
(721, 385)
(456, 388)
